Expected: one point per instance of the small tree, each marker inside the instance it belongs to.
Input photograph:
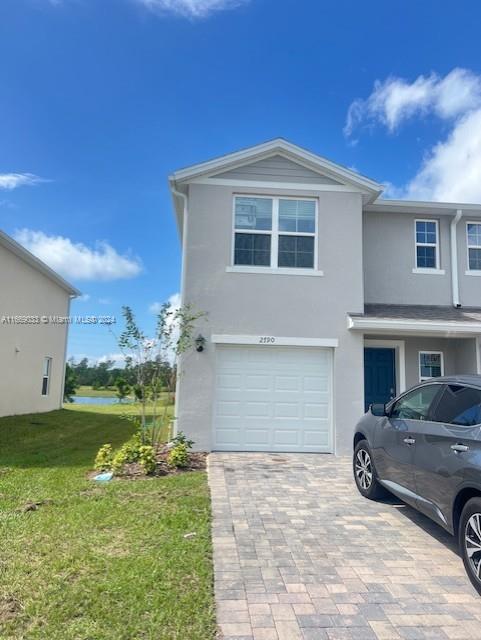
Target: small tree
(147, 357)
(123, 388)
(70, 384)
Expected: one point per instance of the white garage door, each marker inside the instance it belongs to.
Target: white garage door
(273, 399)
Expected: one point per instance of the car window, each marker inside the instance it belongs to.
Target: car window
(459, 405)
(415, 405)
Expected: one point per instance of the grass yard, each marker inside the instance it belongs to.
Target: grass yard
(99, 562)
(89, 392)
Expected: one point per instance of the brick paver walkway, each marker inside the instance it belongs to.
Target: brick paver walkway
(300, 555)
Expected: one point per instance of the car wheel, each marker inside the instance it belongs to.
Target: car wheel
(365, 473)
(470, 540)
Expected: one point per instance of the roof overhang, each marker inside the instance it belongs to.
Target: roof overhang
(416, 207)
(22, 253)
(395, 326)
(368, 188)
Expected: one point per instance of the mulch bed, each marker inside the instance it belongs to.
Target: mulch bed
(132, 471)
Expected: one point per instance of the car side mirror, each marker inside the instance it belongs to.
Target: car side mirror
(378, 409)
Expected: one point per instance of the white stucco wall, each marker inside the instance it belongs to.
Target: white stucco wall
(23, 347)
(274, 305)
(388, 240)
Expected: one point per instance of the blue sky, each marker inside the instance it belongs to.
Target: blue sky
(101, 99)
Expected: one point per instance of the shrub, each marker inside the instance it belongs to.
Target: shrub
(178, 456)
(134, 450)
(181, 438)
(104, 458)
(147, 458)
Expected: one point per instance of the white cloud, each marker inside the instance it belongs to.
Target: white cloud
(76, 260)
(104, 301)
(190, 8)
(155, 307)
(395, 100)
(117, 358)
(85, 297)
(174, 302)
(451, 169)
(9, 181)
(451, 172)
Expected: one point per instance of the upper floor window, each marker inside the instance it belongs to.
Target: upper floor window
(427, 244)
(473, 233)
(275, 232)
(47, 366)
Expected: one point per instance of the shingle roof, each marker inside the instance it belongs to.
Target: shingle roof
(420, 312)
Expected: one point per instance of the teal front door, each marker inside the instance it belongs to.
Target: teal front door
(379, 375)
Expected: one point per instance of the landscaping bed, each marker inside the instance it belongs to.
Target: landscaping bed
(197, 461)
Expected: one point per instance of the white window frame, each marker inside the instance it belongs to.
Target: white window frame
(469, 271)
(427, 270)
(274, 233)
(47, 377)
(430, 353)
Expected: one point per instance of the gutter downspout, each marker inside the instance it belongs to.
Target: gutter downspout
(454, 259)
(185, 214)
(185, 200)
(64, 368)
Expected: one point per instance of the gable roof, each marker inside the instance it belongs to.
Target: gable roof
(22, 253)
(368, 187)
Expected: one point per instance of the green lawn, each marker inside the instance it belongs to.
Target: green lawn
(89, 392)
(118, 409)
(100, 562)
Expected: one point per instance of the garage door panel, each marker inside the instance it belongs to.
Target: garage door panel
(316, 411)
(288, 437)
(316, 438)
(257, 409)
(257, 437)
(229, 437)
(226, 409)
(255, 382)
(229, 381)
(273, 398)
(287, 410)
(287, 383)
(316, 383)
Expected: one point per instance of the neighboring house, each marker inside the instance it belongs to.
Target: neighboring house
(33, 336)
(321, 298)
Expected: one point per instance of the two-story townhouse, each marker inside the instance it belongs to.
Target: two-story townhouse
(34, 312)
(320, 298)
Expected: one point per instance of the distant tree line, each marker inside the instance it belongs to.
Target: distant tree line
(104, 374)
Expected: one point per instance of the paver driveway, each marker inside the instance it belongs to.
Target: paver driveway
(300, 555)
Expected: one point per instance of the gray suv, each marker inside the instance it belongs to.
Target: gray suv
(425, 447)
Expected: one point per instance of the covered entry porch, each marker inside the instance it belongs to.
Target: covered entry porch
(405, 345)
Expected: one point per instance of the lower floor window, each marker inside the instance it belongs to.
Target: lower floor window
(296, 251)
(47, 367)
(474, 259)
(430, 364)
(253, 249)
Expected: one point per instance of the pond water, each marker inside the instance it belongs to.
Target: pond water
(98, 400)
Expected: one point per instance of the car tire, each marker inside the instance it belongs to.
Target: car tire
(469, 537)
(365, 473)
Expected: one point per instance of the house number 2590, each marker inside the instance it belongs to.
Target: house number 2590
(267, 340)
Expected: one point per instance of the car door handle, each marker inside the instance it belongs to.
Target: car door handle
(409, 440)
(459, 448)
